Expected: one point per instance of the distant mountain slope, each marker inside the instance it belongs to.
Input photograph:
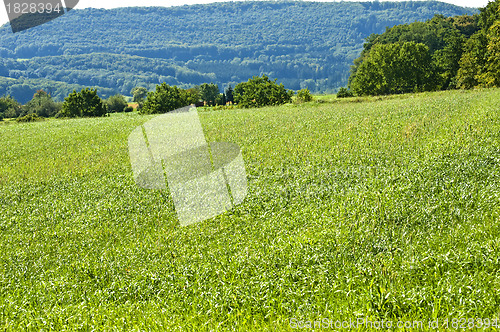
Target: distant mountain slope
(303, 44)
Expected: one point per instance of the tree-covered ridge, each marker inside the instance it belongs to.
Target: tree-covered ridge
(303, 44)
(234, 24)
(22, 89)
(439, 54)
(420, 56)
(480, 62)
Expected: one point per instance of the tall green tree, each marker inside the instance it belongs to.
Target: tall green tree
(191, 95)
(491, 76)
(9, 107)
(42, 105)
(480, 63)
(209, 93)
(394, 68)
(83, 103)
(472, 62)
(229, 95)
(447, 60)
(445, 38)
(116, 103)
(139, 93)
(164, 99)
(261, 91)
(489, 14)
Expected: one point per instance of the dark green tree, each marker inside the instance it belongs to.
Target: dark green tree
(191, 95)
(166, 98)
(229, 95)
(491, 76)
(9, 107)
(83, 103)
(261, 91)
(395, 68)
(480, 64)
(139, 93)
(447, 60)
(42, 105)
(344, 93)
(209, 93)
(445, 38)
(467, 25)
(488, 15)
(472, 62)
(304, 96)
(116, 103)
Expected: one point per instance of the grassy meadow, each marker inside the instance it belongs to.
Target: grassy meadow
(377, 208)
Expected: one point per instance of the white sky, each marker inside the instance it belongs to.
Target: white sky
(145, 3)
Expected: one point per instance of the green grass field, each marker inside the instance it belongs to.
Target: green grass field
(376, 208)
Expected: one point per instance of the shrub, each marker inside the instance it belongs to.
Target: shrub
(139, 94)
(9, 107)
(116, 103)
(166, 98)
(128, 109)
(30, 118)
(60, 114)
(304, 96)
(344, 93)
(191, 96)
(83, 103)
(42, 105)
(401, 67)
(209, 93)
(260, 91)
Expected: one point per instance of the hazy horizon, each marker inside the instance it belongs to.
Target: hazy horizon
(109, 4)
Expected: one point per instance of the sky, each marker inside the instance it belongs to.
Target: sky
(145, 3)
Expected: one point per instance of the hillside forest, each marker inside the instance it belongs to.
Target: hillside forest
(303, 44)
(439, 54)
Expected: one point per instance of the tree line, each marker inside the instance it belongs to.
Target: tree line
(256, 92)
(441, 53)
(303, 44)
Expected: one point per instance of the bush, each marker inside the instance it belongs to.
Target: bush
(116, 103)
(191, 96)
(9, 107)
(42, 105)
(304, 96)
(209, 93)
(395, 68)
(344, 93)
(139, 94)
(128, 109)
(83, 103)
(260, 91)
(29, 118)
(60, 114)
(1, 116)
(166, 98)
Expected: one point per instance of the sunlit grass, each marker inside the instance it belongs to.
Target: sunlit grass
(383, 207)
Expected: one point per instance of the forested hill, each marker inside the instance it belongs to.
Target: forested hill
(303, 44)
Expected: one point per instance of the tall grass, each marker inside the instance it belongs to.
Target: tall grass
(383, 208)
